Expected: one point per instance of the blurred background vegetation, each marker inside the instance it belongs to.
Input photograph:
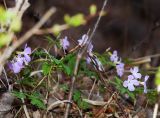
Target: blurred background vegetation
(129, 26)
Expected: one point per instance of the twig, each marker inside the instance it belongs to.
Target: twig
(4, 2)
(6, 78)
(145, 57)
(39, 83)
(15, 116)
(8, 51)
(157, 104)
(105, 106)
(79, 56)
(24, 107)
(92, 89)
(155, 110)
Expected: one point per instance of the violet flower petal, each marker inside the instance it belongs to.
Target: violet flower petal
(65, 43)
(83, 40)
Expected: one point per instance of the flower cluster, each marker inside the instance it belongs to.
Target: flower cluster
(119, 65)
(130, 83)
(133, 80)
(91, 56)
(82, 42)
(22, 59)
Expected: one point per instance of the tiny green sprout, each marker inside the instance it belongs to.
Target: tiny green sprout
(93, 9)
(56, 29)
(16, 24)
(5, 39)
(75, 20)
(6, 16)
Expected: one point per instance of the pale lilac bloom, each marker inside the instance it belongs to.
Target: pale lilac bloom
(114, 57)
(65, 43)
(90, 48)
(130, 83)
(26, 53)
(145, 85)
(120, 69)
(17, 64)
(16, 67)
(135, 73)
(19, 59)
(83, 40)
(23, 58)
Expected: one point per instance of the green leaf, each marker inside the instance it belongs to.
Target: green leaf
(5, 39)
(19, 95)
(93, 9)
(157, 79)
(36, 100)
(75, 20)
(46, 67)
(39, 103)
(76, 95)
(56, 61)
(66, 69)
(28, 81)
(6, 16)
(56, 29)
(83, 105)
(16, 24)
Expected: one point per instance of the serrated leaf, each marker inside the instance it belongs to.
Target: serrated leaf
(56, 61)
(46, 67)
(76, 96)
(19, 95)
(67, 69)
(36, 100)
(83, 105)
(28, 82)
(39, 103)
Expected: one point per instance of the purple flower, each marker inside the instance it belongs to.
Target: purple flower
(26, 53)
(145, 85)
(114, 57)
(65, 43)
(18, 62)
(90, 48)
(19, 59)
(130, 83)
(83, 40)
(135, 73)
(120, 69)
(16, 67)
